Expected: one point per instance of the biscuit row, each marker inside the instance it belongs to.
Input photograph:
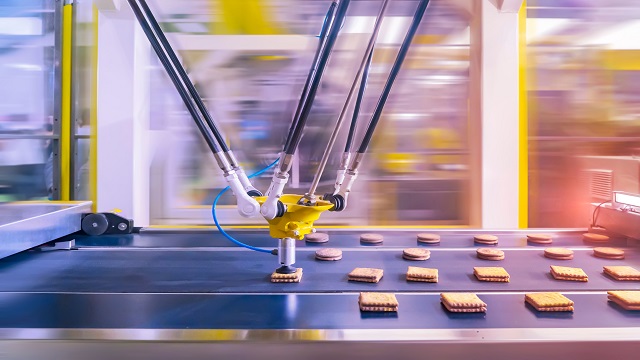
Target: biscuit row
(433, 239)
(471, 303)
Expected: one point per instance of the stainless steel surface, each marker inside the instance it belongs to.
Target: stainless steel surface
(287, 251)
(223, 162)
(323, 335)
(618, 221)
(347, 102)
(26, 225)
(314, 350)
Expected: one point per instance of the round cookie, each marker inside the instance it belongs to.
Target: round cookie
(592, 237)
(540, 238)
(608, 253)
(425, 238)
(490, 254)
(316, 237)
(558, 253)
(329, 254)
(416, 254)
(371, 238)
(486, 239)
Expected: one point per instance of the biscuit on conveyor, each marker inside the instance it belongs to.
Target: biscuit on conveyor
(568, 273)
(608, 253)
(486, 239)
(371, 301)
(628, 300)
(558, 253)
(371, 238)
(421, 274)
(416, 254)
(490, 254)
(287, 278)
(425, 238)
(316, 237)
(593, 237)
(462, 302)
(494, 274)
(366, 275)
(622, 273)
(329, 254)
(539, 238)
(549, 301)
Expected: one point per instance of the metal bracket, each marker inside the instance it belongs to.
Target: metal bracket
(59, 245)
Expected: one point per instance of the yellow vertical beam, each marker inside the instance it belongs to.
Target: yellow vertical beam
(93, 115)
(246, 17)
(65, 120)
(523, 156)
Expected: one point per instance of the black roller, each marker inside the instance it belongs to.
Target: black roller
(95, 224)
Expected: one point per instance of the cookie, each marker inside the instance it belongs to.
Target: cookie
(494, 274)
(316, 237)
(329, 254)
(608, 253)
(540, 238)
(415, 273)
(416, 254)
(622, 304)
(371, 239)
(486, 239)
(490, 254)
(366, 275)
(377, 299)
(425, 238)
(462, 302)
(558, 253)
(592, 237)
(628, 300)
(549, 301)
(464, 310)
(622, 273)
(287, 278)
(568, 273)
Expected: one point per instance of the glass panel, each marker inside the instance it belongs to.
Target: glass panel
(26, 98)
(584, 108)
(416, 171)
(84, 60)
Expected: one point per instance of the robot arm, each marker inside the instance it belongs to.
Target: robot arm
(273, 207)
(297, 220)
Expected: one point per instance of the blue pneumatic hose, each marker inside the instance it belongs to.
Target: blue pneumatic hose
(215, 218)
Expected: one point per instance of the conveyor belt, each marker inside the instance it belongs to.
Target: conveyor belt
(194, 286)
(227, 270)
(338, 238)
(292, 311)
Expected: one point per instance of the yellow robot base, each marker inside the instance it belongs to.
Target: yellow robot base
(298, 219)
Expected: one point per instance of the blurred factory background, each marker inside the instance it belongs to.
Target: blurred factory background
(582, 91)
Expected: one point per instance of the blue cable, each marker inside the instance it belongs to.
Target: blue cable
(215, 218)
